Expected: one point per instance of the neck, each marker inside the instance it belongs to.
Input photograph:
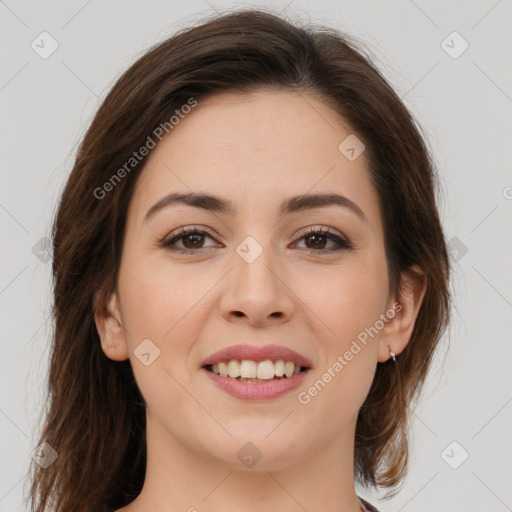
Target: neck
(182, 477)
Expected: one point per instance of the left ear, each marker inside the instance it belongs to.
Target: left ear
(397, 331)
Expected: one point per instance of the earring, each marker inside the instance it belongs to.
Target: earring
(392, 354)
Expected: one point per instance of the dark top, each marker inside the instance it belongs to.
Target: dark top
(368, 506)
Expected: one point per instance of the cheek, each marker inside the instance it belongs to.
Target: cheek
(345, 302)
(162, 303)
(160, 299)
(346, 309)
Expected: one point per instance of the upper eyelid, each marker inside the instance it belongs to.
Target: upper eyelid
(315, 228)
(183, 231)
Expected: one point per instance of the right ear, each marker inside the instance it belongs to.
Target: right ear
(107, 317)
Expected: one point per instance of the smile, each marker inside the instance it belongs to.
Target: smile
(254, 389)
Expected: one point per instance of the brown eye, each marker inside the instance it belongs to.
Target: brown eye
(318, 238)
(192, 240)
(318, 241)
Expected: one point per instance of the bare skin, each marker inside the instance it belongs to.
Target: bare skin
(256, 151)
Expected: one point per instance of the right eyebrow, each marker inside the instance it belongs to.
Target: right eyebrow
(204, 201)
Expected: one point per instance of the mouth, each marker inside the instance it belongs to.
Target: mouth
(246, 370)
(256, 363)
(250, 380)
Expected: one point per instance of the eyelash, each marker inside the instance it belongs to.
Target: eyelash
(187, 231)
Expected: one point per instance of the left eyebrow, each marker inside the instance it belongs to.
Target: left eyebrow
(307, 201)
(220, 205)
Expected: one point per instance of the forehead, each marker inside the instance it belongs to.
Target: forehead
(257, 149)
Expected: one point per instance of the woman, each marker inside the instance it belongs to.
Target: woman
(250, 281)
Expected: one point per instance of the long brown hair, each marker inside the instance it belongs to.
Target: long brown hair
(95, 414)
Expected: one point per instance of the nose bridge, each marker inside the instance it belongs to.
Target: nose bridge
(253, 262)
(255, 287)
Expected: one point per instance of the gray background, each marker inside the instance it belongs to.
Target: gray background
(463, 103)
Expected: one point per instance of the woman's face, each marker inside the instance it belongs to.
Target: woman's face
(256, 278)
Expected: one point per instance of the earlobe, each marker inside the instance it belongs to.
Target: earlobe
(396, 334)
(110, 328)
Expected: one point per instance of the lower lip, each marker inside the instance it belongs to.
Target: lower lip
(257, 390)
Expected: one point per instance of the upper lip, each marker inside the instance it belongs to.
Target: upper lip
(257, 353)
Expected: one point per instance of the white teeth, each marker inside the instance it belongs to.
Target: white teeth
(223, 369)
(248, 369)
(233, 369)
(288, 368)
(279, 368)
(263, 370)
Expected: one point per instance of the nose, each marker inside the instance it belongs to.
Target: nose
(257, 292)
